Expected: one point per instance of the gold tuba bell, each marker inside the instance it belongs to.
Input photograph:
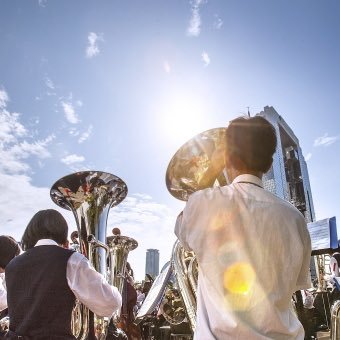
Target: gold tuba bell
(90, 195)
(187, 173)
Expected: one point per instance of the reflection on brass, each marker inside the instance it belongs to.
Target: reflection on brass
(89, 195)
(191, 162)
(186, 273)
(335, 320)
(172, 306)
(119, 248)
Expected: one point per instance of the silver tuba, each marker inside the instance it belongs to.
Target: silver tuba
(119, 247)
(187, 173)
(90, 195)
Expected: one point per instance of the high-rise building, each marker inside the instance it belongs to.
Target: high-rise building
(288, 177)
(152, 262)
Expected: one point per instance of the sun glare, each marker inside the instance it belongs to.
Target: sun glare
(183, 117)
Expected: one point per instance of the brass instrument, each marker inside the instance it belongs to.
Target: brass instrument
(4, 324)
(186, 272)
(119, 248)
(187, 173)
(189, 167)
(90, 195)
(335, 320)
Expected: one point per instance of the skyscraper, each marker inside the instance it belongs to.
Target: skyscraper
(152, 262)
(288, 177)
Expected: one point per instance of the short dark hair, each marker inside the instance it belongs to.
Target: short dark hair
(9, 248)
(253, 141)
(48, 224)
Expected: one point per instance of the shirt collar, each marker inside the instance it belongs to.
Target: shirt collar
(46, 242)
(248, 178)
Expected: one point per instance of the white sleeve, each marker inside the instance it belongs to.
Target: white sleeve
(334, 267)
(91, 288)
(304, 278)
(186, 228)
(3, 295)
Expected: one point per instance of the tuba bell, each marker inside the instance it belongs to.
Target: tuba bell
(90, 195)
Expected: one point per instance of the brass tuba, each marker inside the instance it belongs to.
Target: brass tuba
(90, 195)
(188, 172)
(119, 247)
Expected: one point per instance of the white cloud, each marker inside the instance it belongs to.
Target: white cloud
(85, 135)
(49, 83)
(25, 149)
(194, 28)
(42, 3)
(325, 140)
(218, 23)
(70, 112)
(3, 98)
(308, 157)
(72, 159)
(74, 132)
(15, 146)
(166, 66)
(205, 58)
(92, 48)
(10, 127)
(19, 201)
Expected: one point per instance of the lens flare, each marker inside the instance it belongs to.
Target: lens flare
(239, 278)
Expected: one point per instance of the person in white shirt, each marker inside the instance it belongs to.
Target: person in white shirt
(253, 248)
(9, 248)
(44, 282)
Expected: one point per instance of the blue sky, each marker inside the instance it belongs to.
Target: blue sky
(118, 86)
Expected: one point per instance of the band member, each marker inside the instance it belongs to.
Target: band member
(334, 263)
(9, 248)
(44, 282)
(253, 248)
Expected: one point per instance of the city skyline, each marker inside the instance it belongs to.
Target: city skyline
(120, 86)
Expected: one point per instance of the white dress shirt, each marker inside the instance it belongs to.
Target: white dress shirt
(3, 292)
(89, 286)
(253, 251)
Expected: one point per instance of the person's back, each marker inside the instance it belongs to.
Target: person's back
(40, 300)
(248, 272)
(253, 249)
(43, 283)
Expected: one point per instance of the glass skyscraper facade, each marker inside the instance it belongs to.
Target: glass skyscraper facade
(288, 177)
(152, 262)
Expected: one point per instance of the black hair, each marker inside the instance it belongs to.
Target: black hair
(48, 224)
(9, 248)
(252, 140)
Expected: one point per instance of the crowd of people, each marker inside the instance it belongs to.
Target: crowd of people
(253, 250)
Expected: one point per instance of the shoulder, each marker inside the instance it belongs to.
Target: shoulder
(77, 258)
(15, 261)
(211, 193)
(283, 204)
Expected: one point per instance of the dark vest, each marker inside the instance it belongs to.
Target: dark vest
(40, 301)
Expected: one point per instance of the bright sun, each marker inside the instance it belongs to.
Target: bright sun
(182, 117)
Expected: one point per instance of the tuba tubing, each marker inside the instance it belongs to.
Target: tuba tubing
(187, 294)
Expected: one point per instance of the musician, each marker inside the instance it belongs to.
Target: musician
(44, 282)
(9, 248)
(253, 248)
